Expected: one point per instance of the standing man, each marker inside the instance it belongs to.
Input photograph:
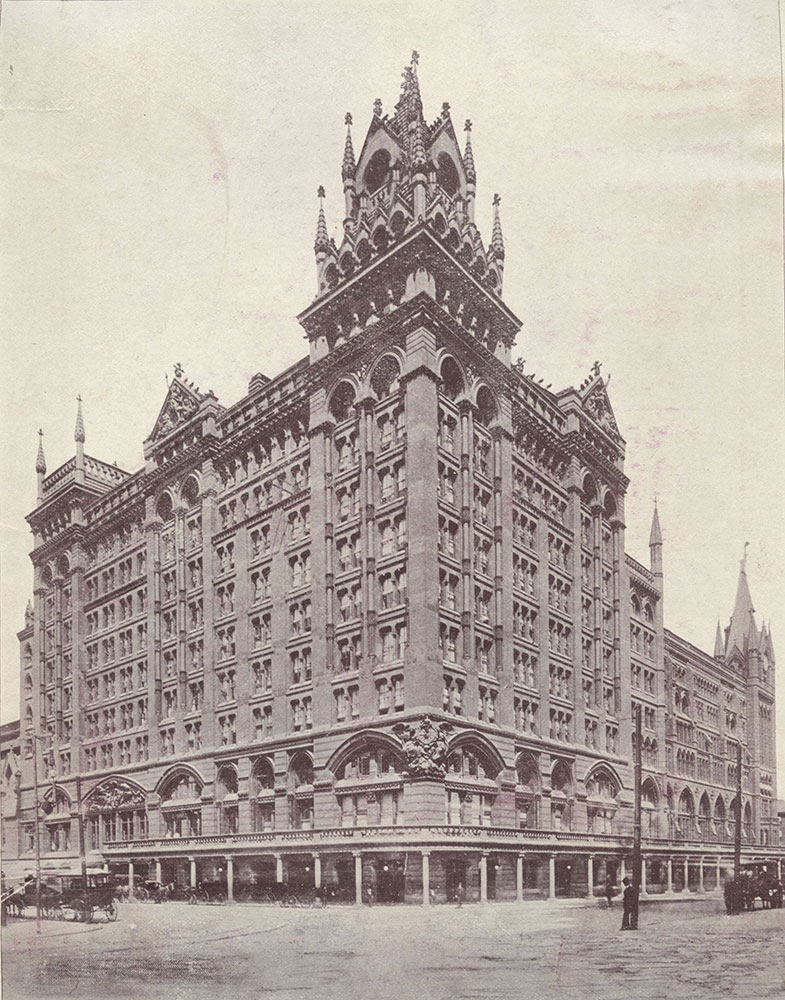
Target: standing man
(609, 891)
(629, 920)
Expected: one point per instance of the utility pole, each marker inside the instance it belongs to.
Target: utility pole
(80, 825)
(636, 829)
(37, 832)
(737, 838)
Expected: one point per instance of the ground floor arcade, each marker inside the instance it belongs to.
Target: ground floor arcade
(429, 876)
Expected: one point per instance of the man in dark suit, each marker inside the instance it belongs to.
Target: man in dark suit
(629, 920)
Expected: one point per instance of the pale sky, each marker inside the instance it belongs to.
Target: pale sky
(159, 163)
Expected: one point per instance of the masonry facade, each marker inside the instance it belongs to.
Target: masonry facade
(374, 625)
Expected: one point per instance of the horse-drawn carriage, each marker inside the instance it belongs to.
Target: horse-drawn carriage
(62, 895)
(756, 880)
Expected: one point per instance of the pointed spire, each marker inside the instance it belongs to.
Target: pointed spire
(349, 167)
(40, 461)
(322, 242)
(468, 155)
(79, 428)
(655, 535)
(742, 623)
(419, 158)
(719, 645)
(409, 106)
(497, 240)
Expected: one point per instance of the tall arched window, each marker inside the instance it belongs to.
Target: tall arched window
(452, 380)
(649, 806)
(704, 817)
(227, 800)
(561, 796)
(470, 786)
(720, 819)
(342, 401)
(181, 806)
(527, 793)
(384, 378)
(686, 816)
(369, 786)
(262, 796)
(300, 791)
(601, 792)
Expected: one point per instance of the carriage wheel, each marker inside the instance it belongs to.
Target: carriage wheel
(141, 895)
(111, 910)
(82, 912)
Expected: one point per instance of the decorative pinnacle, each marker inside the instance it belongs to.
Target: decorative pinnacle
(79, 429)
(349, 168)
(377, 107)
(468, 156)
(322, 241)
(415, 57)
(497, 240)
(40, 461)
(446, 109)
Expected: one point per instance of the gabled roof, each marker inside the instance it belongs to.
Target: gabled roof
(181, 402)
(594, 396)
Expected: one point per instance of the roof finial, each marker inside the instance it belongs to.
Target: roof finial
(322, 241)
(744, 558)
(446, 109)
(497, 239)
(79, 428)
(415, 57)
(468, 155)
(179, 371)
(40, 461)
(377, 107)
(349, 168)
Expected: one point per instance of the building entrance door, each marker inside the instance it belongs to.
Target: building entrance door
(456, 872)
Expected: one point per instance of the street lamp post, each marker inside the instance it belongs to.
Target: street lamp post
(37, 837)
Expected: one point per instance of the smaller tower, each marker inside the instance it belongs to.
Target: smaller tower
(40, 467)
(79, 436)
(348, 169)
(471, 173)
(655, 546)
(496, 249)
(719, 643)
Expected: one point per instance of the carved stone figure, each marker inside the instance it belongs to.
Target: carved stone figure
(114, 794)
(424, 747)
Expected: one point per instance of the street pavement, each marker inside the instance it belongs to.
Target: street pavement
(533, 951)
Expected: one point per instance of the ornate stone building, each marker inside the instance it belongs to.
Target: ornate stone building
(374, 624)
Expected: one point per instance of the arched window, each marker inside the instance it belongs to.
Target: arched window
(262, 796)
(704, 817)
(486, 406)
(561, 796)
(190, 491)
(452, 380)
(720, 819)
(115, 811)
(164, 507)
(468, 767)
(447, 174)
(635, 604)
(226, 788)
(181, 806)
(686, 816)
(342, 401)
(377, 170)
(384, 379)
(300, 788)
(601, 792)
(649, 804)
(369, 787)
(749, 830)
(527, 793)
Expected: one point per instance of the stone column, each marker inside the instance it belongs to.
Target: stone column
(519, 879)
(229, 878)
(426, 878)
(192, 872)
(622, 869)
(701, 886)
(157, 869)
(358, 877)
(686, 874)
(130, 880)
(590, 874)
(278, 868)
(483, 878)
(719, 884)
(670, 875)
(643, 875)
(552, 876)
(317, 871)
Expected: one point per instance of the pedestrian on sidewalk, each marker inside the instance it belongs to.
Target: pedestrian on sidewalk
(609, 891)
(629, 919)
(460, 895)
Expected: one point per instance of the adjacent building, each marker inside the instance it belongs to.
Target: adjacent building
(374, 626)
